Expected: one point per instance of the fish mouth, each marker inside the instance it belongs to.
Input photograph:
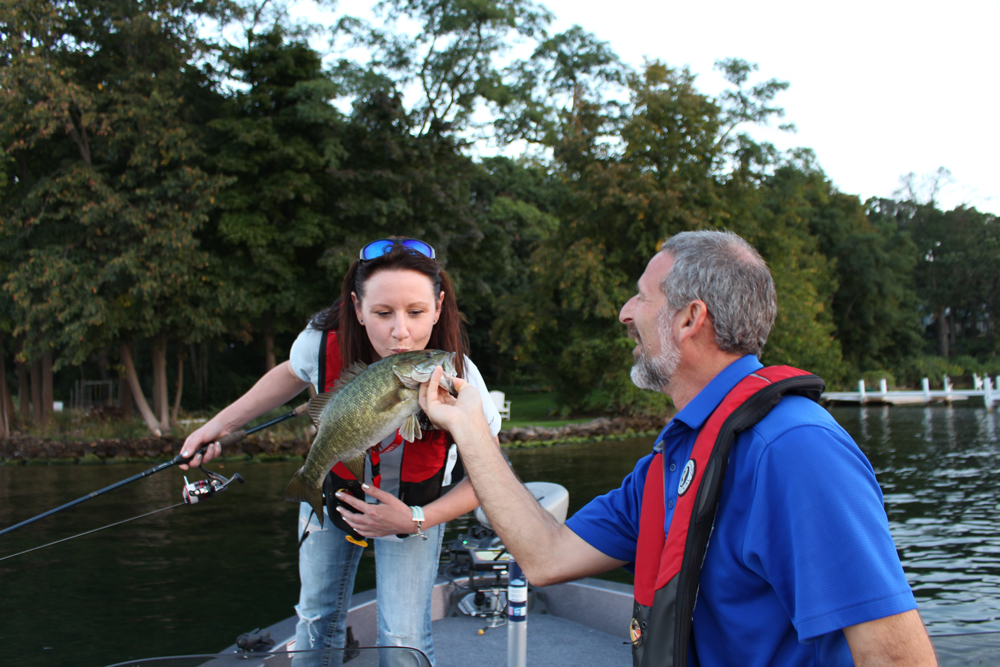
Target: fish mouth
(421, 371)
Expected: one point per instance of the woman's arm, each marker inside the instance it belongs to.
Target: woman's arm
(277, 387)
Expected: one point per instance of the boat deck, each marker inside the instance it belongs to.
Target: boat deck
(552, 641)
(577, 623)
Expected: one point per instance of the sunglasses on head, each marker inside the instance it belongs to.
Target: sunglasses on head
(381, 247)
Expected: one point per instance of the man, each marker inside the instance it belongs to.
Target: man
(780, 537)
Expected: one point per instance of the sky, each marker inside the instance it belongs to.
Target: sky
(878, 89)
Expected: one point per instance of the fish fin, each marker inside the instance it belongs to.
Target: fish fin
(410, 430)
(347, 375)
(316, 405)
(298, 491)
(386, 402)
(356, 464)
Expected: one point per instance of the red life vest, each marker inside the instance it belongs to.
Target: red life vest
(424, 460)
(667, 566)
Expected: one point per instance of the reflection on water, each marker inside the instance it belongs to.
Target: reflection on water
(192, 579)
(938, 471)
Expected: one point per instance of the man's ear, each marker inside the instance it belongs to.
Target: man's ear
(692, 319)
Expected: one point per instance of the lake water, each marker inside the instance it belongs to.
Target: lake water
(192, 578)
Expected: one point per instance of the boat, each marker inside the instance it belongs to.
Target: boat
(576, 623)
(583, 622)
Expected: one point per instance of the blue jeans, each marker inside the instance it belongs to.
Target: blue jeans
(405, 571)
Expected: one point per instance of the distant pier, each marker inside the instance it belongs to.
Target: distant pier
(983, 390)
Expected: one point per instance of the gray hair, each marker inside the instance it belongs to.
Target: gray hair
(729, 275)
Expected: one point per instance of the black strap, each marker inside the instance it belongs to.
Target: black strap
(754, 409)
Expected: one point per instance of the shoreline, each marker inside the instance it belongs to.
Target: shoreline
(33, 450)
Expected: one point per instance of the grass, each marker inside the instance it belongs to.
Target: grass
(528, 408)
(534, 408)
(79, 427)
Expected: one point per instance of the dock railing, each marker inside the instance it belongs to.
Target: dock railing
(985, 388)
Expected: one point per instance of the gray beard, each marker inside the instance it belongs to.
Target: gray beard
(655, 373)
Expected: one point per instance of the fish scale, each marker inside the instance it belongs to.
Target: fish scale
(367, 405)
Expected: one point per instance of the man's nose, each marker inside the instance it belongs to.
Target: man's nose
(625, 316)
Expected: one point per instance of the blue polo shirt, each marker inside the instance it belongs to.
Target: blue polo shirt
(801, 546)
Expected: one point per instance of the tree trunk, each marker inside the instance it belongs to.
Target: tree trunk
(6, 404)
(268, 342)
(36, 391)
(23, 390)
(942, 333)
(180, 388)
(161, 395)
(199, 369)
(102, 363)
(140, 400)
(125, 398)
(47, 395)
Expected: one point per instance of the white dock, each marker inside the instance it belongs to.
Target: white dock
(983, 390)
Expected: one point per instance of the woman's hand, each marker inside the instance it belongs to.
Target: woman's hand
(278, 386)
(389, 517)
(206, 435)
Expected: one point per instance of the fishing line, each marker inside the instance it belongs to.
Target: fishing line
(110, 525)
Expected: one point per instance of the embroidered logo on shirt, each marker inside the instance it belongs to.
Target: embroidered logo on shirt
(687, 476)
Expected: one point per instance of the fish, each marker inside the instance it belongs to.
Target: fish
(368, 404)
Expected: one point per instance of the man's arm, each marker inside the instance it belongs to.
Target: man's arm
(894, 640)
(547, 550)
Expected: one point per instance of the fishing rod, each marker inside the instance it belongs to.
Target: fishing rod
(224, 441)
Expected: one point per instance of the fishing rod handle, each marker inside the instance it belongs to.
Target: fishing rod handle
(232, 438)
(236, 436)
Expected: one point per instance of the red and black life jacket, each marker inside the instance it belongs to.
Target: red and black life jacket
(425, 460)
(667, 567)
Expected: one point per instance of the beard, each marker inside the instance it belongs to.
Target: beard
(655, 373)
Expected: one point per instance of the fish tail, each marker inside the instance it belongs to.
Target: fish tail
(299, 491)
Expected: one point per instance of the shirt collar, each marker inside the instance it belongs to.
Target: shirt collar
(704, 403)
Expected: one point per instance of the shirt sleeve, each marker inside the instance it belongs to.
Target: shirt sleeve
(304, 356)
(610, 523)
(475, 378)
(818, 533)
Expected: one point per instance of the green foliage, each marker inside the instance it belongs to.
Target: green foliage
(276, 141)
(99, 226)
(155, 185)
(451, 58)
(910, 372)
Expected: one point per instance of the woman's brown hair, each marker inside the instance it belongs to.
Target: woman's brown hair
(448, 334)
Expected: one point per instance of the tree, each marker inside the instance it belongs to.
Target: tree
(956, 273)
(100, 227)
(452, 58)
(276, 140)
(873, 303)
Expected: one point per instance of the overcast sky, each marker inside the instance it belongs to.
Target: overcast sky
(879, 88)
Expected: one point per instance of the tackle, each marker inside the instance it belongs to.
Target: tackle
(203, 489)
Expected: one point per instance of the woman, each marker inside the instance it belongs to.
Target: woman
(395, 298)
